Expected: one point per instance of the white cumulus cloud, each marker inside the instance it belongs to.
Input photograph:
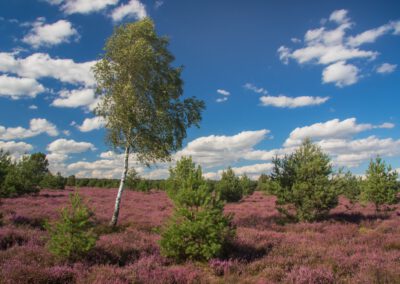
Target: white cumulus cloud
(339, 16)
(90, 124)
(369, 36)
(223, 92)
(331, 129)
(335, 47)
(217, 150)
(42, 65)
(16, 149)
(82, 6)
(76, 98)
(341, 74)
(133, 9)
(386, 68)
(292, 102)
(56, 33)
(16, 87)
(255, 89)
(64, 146)
(37, 126)
(221, 100)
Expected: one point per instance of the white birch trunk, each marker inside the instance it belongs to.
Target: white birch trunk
(114, 219)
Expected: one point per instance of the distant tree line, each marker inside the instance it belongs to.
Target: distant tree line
(132, 183)
(31, 173)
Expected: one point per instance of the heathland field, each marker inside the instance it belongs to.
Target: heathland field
(350, 246)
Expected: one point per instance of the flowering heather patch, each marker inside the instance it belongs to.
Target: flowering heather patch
(351, 246)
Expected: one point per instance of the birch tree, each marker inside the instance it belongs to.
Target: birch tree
(141, 98)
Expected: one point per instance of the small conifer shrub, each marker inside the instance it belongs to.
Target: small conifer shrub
(72, 236)
(198, 229)
(380, 186)
(230, 187)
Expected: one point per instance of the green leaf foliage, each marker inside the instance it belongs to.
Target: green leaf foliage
(6, 166)
(23, 176)
(132, 179)
(184, 174)
(72, 236)
(230, 187)
(348, 185)
(302, 183)
(51, 181)
(380, 186)
(141, 90)
(198, 229)
(266, 184)
(71, 180)
(248, 186)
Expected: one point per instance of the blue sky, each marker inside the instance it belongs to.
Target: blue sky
(271, 73)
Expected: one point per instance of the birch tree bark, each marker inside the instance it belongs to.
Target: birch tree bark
(114, 218)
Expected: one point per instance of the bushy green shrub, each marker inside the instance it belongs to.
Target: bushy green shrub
(72, 236)
(184, 172)
(132, 179)
(198, 229)
(23, 176)
(51, 181)
(5, 165)
(229, 186)
(248, 186)
(36, 167)
(348, 185)
(266, 184)
(71, 180)
(303, 183)
(19, 180)
(380, 186)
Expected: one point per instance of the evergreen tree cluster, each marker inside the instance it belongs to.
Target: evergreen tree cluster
(26, 175)
(307, 188)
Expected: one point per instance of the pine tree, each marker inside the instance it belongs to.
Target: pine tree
(198, 229)
(302, 181)
(229, 186)
(380, 185)
(72, 236)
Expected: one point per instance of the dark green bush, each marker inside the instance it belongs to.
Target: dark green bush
(23, 176)
(248, 186)
(348, 185)
(132, 179)
(184, 172)
(198, 229)
(5, 166)
(302, 183)
(266, 184)
(72, 236)
(230, 187)
(143, 185)
(19, 181)
(51, 181)
(380, 186)
(71, 181)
